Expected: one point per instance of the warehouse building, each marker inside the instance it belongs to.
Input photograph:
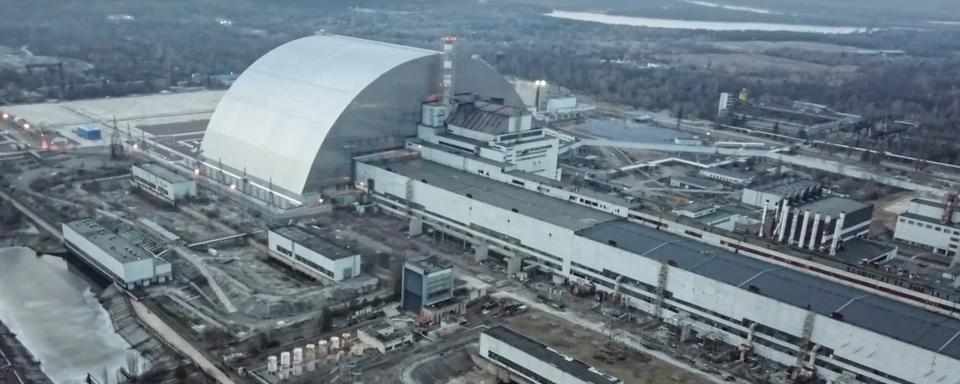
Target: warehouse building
(163, 183)
(426, 282)
(286, 130)
(783, 314)
(115, 255)
(311, 254)
(531, 361)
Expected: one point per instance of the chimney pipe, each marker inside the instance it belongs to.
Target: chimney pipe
(783, 220)
(793, 226)
(837, 232)
(813, 232)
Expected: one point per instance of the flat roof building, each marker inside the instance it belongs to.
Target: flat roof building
(384, 337)
(743, 293)
(117, 256)
(163, 183)
(532, 361)
(312, 254)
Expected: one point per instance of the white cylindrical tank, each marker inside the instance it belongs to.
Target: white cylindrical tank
(297, 370)
(334, 343)
(311, 353)
(345, 341)
(272, 364)
(322, 348)
(285, 360)
(297, 355)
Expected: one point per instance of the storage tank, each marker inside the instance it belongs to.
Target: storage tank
(345, 341)
(272, 364)
(310, 353)
(285, 360)
(297, 356)
(322, 348)
(334, 343)
(297, 370)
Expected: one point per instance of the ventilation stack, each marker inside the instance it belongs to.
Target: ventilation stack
(446, 82)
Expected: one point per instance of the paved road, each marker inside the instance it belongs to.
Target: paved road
(172, 338)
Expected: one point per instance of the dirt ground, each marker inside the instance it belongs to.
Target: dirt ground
(581, 344)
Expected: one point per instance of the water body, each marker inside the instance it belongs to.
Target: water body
(55, 314)
(617, 129)
(702, 25)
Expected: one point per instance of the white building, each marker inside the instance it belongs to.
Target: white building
(773, 193)
(922, 224)
(115, 256)
(727, 175)
(493, 132)
(163, 183)
(312, 255)
(731, 290)
(384, 337)
(687, 182)
(533, 362)
(565, 108)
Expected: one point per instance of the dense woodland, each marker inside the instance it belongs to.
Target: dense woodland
(169, 41)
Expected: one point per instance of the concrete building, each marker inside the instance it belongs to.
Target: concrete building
(384, 337)
(163, 183)
(115, 255)
(530, 361)
(773, 193)
(426, 282)
(565, 108)
(689, 182)
(822, 225)
(923, 225)
(743, 295)
(286, 130)
(313, 255)
(493, 132)
(727, 175)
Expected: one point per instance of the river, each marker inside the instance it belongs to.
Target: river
(696, 24)
(56, 315)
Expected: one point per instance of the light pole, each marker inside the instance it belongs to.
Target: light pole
(539, 84)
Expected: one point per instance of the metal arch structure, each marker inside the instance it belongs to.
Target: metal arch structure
(292, 121)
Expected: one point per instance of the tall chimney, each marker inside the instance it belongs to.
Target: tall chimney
(837, 232)
(763, 217)
(783, 220)
(813, 232)
(793, 226)
(449, 54)
(803, 228)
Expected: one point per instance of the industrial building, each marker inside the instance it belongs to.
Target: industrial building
(931, 224)
(89, 133)
(384, 337)
(778, 312)
(565, 108)
(311, 254)
(775, 192)
(286, 130)
(531, 361)
(821, 225)
(163, 183)
(426, 282)
(114, 255)
(727, 175)
(820, 320)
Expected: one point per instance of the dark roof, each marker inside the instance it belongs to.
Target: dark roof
(484, 117)
(926, 219)
(506, 196)
(314, 242)
(885, 316)
(834, 205)
(431, 264)
(573, 367)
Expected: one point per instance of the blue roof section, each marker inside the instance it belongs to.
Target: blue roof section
(885, 316)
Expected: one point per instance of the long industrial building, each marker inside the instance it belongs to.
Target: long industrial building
(530, 360)
(777, 312)
(324, 111)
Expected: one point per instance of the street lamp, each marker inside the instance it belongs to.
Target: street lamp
(539, 84)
